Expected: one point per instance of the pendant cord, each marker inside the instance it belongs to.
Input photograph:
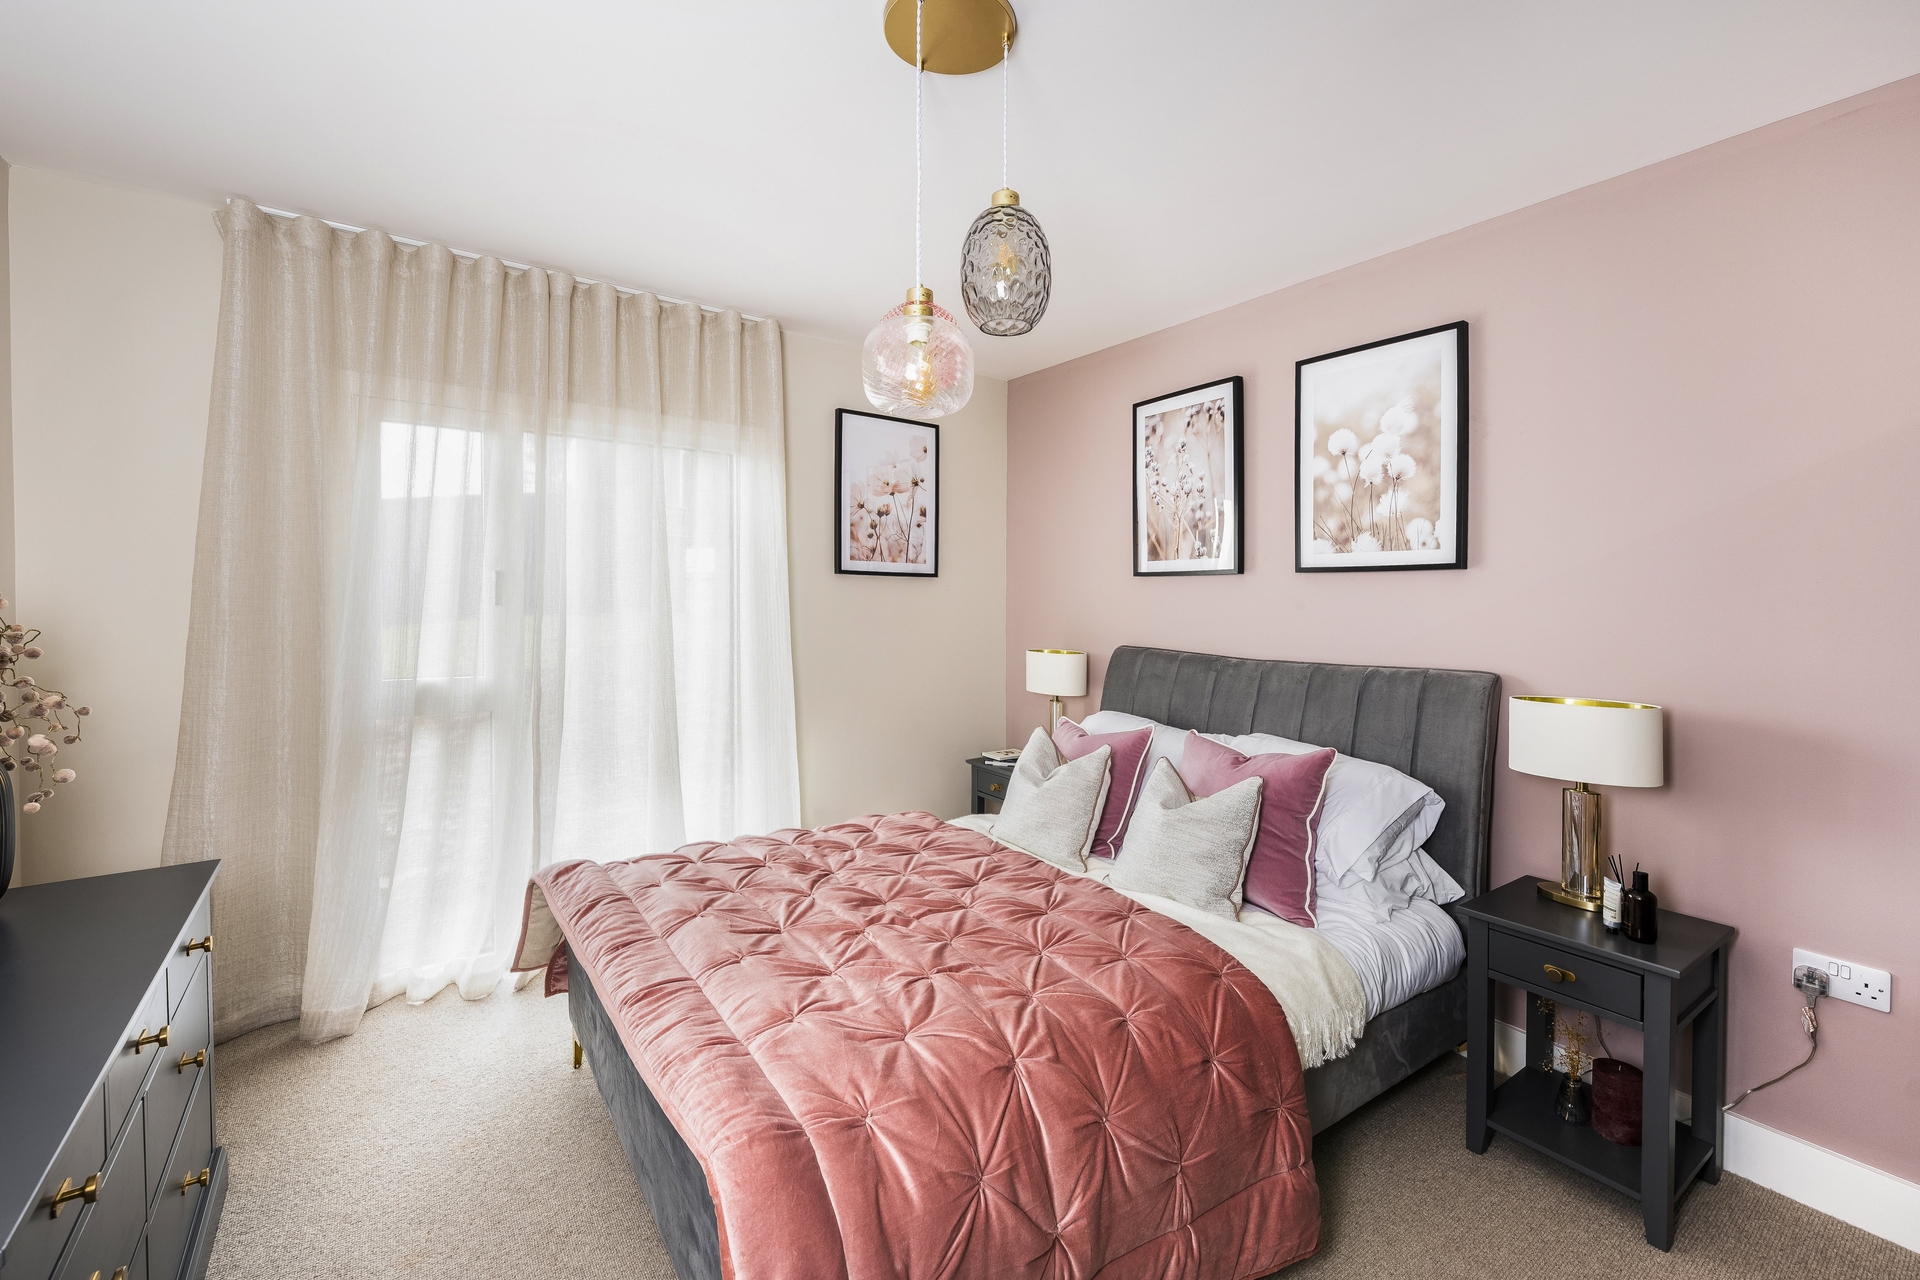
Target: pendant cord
(1006, 55)
(919, 74)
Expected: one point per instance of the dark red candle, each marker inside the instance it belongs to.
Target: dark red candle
(1616, 1101)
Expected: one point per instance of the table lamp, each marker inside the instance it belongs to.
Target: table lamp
(1058, 673)
(1587, 742)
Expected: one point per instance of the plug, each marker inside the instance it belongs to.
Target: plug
(1810, 982)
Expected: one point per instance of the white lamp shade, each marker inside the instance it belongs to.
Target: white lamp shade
(1608, 744)
(1059, 673)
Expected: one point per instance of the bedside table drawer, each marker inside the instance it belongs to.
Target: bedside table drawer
(1549, 969)
(992, 782)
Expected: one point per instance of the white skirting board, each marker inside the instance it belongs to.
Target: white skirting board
(1837, 1185)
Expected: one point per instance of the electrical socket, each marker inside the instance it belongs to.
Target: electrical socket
(1854, 983)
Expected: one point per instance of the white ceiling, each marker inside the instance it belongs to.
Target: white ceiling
(759, 153)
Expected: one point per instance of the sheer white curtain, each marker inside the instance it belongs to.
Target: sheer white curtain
(491, 573)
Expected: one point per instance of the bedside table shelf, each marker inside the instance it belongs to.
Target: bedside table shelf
(1523, 1110)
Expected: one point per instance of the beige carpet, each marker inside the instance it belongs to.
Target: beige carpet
(454, 1140)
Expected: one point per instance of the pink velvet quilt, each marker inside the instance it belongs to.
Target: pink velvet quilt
(899, 1049)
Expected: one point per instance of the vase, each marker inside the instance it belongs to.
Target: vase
(1572, 1102)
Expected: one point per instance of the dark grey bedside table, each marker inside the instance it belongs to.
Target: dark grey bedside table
(1675, 984)
(989, 782)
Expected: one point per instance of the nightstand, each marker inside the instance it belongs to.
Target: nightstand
(1663, 988)
(989, 782)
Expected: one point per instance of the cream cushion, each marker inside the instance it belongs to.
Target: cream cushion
(1052, 810)
(1193, 851)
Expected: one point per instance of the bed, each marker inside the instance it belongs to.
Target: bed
(1438, 726)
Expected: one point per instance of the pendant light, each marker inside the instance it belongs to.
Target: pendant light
(1006, 269)
(916, 361)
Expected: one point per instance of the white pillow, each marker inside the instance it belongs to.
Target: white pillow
(1396, 886)
(1052, 810)
(1193, 851)
(1168, 744)
(1374, 816)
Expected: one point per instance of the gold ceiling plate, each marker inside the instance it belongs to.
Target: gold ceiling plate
(958, 37)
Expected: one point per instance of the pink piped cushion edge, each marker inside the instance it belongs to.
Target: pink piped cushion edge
(1280, 874)
(1124, 776)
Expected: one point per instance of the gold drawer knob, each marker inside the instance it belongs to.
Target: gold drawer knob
(1556, 974)
(119, 1273)
(143, 1039)
(88, 1191)
(194, 1180)
(200, 944)
(190, 1060)
(994, 786)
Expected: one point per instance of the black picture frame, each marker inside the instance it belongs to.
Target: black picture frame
(1448, 531)
(869, 442)
(1231, 522)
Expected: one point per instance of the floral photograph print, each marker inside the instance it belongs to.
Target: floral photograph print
(1380, 448)
(1186, 481)
(886, 495)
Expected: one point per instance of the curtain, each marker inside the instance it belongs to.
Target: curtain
(491, 573)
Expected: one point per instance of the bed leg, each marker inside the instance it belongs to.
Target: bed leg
(576, 1055)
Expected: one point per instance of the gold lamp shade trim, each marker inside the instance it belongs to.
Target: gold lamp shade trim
(958, 37)
(1588, 702)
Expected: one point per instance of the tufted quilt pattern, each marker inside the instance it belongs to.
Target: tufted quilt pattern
(901, 1050)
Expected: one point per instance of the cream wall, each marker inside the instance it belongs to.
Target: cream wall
(115, 294)
(899, 681)
(115, 297)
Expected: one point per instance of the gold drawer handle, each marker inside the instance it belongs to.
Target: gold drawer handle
(994, 786)
(190, 1060)
(119, 1273)
(1556, 974)
(199, 1179)
(88, 1191)
(143, 1040)
(200, 944)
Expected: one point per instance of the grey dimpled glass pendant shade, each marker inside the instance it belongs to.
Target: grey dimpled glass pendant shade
(1006, 269)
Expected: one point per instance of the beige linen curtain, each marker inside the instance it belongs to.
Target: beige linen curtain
(491, 573)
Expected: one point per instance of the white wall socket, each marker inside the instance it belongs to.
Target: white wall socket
(1854, 983)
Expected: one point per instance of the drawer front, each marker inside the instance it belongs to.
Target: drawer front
(134, 1061)
(990, 782)
(106, 1239)
(187, 1057)
(1580, 978)
(172, 1216)
(182, 963)
(36, 1245)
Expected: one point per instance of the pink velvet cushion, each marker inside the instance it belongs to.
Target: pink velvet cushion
(1124, 776)
(1280, 872)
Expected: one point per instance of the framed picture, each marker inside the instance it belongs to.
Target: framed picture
(886, 482)
(1380, 455)
(1186, 481)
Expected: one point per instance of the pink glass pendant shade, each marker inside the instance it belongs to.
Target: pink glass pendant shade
(916, 362)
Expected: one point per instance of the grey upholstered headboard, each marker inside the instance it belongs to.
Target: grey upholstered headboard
(1437, 726)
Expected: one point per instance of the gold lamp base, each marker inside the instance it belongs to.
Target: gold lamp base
(1565, 896)
(958, 37)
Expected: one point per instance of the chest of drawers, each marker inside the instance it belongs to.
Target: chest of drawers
(109, 1166)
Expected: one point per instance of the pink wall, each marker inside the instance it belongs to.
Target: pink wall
(1695, 481)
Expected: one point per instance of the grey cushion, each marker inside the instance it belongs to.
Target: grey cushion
(1435, 725)
(1052, 809)
(1193, 851)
